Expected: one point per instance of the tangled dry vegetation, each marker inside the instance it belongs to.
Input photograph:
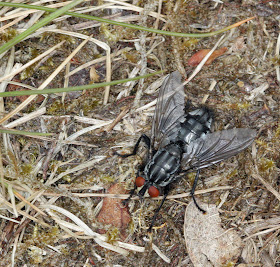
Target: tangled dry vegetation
(58, 194)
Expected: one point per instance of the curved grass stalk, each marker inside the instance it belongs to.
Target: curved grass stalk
(132, 26)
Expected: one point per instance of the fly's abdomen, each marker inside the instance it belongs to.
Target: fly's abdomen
(197, 124)
(164, 164)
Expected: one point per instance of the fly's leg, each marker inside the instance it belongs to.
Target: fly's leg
(131, 193)
(146, 140)
(193, 189)
(166, 190)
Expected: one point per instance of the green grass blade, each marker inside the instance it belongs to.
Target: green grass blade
(75, 88)
(132, 26)
(55, 13)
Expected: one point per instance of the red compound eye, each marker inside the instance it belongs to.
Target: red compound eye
(139, 181)
(153, 191)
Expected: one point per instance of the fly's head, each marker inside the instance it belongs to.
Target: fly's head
(152, 190)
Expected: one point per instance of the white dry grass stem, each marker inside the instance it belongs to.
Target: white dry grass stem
(84, 10)
(17, 13)
(72, 137)
(24, 214)
(125, 196)
(264, 232)
(157, 250)
(87, 120)
(99, 239)
(75, 169)
(259, 91)
(201, 64)
(26, 118)
(91, 39)
(99, 60)
(8, 69)
(13, 201)
(127, 6)
(66, 80)
(8, 25)
(267, 185)
(211, 88)
(9, 219)
(13, 255)
(277, 50)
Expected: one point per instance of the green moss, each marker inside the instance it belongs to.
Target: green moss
(56, 108)
(27, 72)
(189, 44)
(109, 33)
(232, 173)
(39, 239)
(266, 164)
(112, 235)
(276, 61)
(53, 167)
(48, 65)
(107, 179)
(191, 177)
(229, 264)
(7, 35)
(55, 38)
(88, 105)
(277, 132)
(26, 169)
(131, 56)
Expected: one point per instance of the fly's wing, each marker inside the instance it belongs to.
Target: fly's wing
(215, 147)
(169, 109)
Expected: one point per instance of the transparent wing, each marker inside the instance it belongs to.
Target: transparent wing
(169, 108)
(215, 147)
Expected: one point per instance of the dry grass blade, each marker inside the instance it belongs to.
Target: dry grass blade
(12, 197)
(201, 64)
(78, 168)
(26, 118)
(24, 214)
(277, 50)
(99, 239)
(30, 204)
(15, 13)
(157, 250)
(268, 186)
